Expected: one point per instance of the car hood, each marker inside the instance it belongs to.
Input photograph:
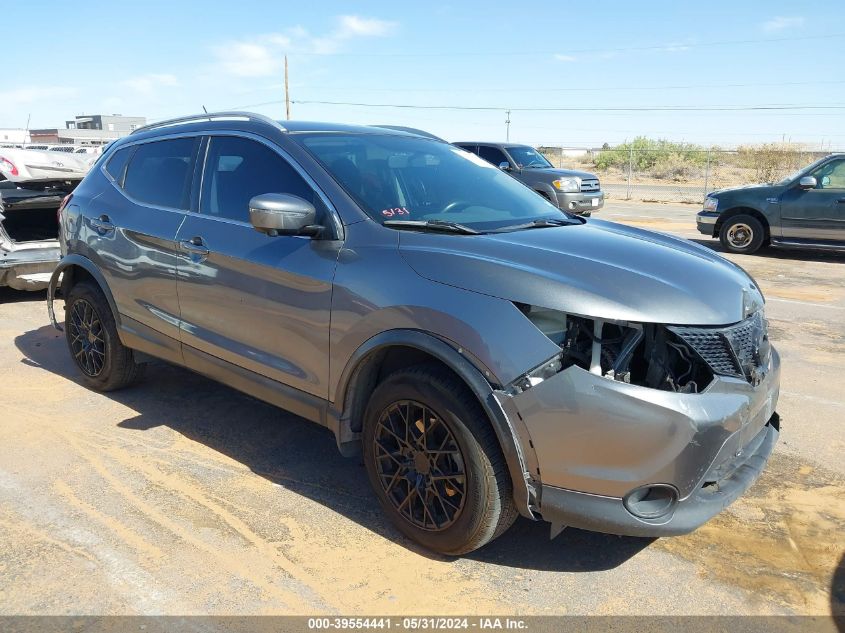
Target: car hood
(597, 269)
(560, 173)
(745, 188)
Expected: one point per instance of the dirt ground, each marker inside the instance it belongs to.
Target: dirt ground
(181, 496)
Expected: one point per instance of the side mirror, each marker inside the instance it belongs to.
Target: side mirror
(283, 214)
(505, 166)
(807, 182)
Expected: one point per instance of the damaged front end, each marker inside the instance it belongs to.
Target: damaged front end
(649, 355)
(641, 428)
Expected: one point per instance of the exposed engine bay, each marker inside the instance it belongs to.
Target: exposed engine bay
(677, 359)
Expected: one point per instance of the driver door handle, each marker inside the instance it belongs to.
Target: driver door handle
(194, 246)
(841, 201)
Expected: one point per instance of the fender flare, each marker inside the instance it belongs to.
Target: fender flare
(547, 189)
(83, 262)
(456, 360)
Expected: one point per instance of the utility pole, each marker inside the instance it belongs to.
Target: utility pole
(508, 126)
(287, 92)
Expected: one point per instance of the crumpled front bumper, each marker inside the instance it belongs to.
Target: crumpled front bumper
(595, 440)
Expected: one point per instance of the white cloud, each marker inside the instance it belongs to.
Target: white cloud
(565, 58)
(248, 60)
(263, 55)
(782, 23)
(353, 25)
(149, 83)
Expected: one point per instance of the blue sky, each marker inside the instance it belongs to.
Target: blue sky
(160, 59)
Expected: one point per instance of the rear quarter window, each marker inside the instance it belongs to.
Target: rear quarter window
(160, 173)
(116, 166)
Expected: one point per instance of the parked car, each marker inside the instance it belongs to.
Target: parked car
(576, 191)
(33, 184)
(489, 354)
(804, 210)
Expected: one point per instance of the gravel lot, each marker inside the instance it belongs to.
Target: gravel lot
(181, 496)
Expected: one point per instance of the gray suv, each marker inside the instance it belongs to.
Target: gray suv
(489, 354)
(578, 192)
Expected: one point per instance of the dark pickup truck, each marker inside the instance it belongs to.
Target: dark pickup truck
(576, 191)
(804, 210)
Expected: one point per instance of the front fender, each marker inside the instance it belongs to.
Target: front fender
(67, 265)
(513, 448)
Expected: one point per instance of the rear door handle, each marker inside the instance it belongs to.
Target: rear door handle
(102, 224)
(194, 246)
(841, 201)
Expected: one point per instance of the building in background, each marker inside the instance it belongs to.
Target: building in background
(91, 129)
(16, 136)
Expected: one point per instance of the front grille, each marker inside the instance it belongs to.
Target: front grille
(590, 185)
(736, 350)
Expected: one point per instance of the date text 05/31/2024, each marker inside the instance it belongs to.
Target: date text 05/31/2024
(417, 623)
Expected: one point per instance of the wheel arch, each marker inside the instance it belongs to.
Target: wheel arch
(395, 349)
(71, 270)
(740, 210)
(547, 191)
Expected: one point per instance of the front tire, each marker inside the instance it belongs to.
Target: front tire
(91, 333)
(742, 234)
(434, 462)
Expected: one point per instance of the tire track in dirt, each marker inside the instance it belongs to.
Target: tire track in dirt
(233, 564)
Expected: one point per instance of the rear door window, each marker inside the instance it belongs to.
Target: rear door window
(160, 173)
(492, 154)
(238, 169)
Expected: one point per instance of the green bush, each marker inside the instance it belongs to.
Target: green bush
(650, 152)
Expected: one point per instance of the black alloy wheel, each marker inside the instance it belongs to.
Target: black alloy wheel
(420, 465)
(87, 341)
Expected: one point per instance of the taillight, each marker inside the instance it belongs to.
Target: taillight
(65, 201)
(8, 166)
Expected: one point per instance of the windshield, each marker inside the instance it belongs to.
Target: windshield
(407, 178)
(527, 157)
(798, 172)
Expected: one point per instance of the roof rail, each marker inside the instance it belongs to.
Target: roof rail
(212, 116)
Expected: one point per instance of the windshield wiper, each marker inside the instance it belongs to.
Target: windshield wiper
(433, 225)
(536, 224)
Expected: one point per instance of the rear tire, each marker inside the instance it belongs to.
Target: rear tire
(742, 234)
(91, 333)
(434, 462)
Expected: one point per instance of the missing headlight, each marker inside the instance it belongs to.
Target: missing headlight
(648, 354)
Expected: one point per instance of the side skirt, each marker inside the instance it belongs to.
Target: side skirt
(148, 341)
(816, 246)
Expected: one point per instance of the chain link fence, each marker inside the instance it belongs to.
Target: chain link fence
(680, 175)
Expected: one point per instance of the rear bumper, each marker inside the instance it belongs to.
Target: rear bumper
(581, 202)
(705, 222)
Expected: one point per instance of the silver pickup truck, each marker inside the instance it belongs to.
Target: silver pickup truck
(578, 192)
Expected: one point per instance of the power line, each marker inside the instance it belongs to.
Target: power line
(724, 108)
(779, 84)
(673, 46)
